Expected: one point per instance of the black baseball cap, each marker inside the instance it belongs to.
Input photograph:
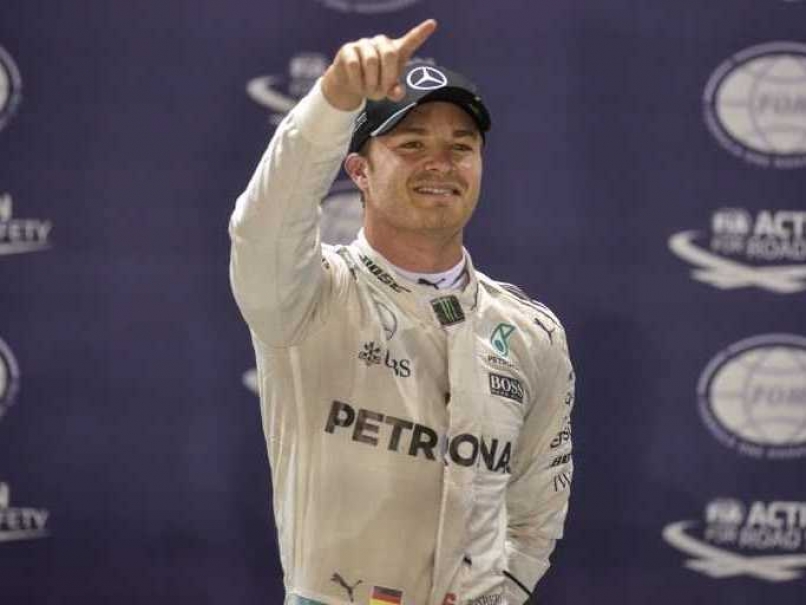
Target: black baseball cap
(423, 83)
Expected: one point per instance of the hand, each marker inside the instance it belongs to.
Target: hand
(369, 68)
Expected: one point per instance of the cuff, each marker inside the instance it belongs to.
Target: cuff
(321, 123)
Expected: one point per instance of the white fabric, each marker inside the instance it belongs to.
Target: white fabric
(375, 477)
(451, 279)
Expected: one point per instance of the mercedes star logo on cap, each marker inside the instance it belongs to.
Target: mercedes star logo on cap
(426, 78)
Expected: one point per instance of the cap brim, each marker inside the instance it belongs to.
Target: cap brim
(458, 96)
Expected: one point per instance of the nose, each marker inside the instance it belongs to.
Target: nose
(440, 160)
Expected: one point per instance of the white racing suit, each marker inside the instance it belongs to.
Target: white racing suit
(419, 439)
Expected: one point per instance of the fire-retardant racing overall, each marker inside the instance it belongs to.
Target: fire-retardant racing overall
(419, 439)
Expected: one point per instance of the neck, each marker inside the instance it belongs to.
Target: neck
(420, 252)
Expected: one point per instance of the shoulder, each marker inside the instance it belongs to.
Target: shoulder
(519, 305)
(340, 262)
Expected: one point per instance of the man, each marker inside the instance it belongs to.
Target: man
(416, 412)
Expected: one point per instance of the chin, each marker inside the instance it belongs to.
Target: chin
(443, 221)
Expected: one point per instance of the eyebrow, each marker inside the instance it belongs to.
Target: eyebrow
(456, 133)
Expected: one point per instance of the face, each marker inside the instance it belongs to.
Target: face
(423, 176)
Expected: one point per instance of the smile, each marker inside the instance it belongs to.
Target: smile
(436, 190)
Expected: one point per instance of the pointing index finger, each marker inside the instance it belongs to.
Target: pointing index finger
(414, 38)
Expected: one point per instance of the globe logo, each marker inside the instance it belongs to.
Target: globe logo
(9, 378)
(752, 396)
(10, 87)
(755, 104)
(367, 6)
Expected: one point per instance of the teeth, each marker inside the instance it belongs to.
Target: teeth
(434, 191)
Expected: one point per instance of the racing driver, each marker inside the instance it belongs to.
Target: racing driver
(416, 412)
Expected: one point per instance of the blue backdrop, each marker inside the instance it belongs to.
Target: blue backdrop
(645, 177)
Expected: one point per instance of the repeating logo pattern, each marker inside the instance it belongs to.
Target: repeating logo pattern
(9, 378)
(280, 92)
(18, 524)
(765, 540)
(752, 396)
(755, 104)
(21, 235)
(10, 87)
(367, 6)
(764, 250)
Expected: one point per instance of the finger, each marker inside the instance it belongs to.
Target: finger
(370, 65)
(408, 44)
(351, 63)
(389, 66)
(397, 92)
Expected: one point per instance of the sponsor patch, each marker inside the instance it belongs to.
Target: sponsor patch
(564, 436)
(560, 460)
(500, 338)
(402, 436)
(562, 481)
(381, 275)
(495, 360)
(506, 386)
(372, 354)
(385, 596)
(448, 310)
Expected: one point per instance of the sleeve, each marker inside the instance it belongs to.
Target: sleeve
(539, 488)
(276, 268)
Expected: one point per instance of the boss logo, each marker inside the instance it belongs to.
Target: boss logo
(506, 386)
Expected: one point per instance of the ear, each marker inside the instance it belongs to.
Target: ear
(356, 166)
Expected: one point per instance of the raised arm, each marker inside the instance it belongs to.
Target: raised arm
(275, 265)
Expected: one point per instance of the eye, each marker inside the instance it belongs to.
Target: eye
(462, 147)
(412, 145)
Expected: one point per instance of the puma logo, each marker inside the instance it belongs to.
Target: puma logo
(341, 582)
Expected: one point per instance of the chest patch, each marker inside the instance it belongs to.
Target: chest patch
(506, 386)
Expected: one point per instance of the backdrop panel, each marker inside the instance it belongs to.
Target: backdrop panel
(645, 177)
